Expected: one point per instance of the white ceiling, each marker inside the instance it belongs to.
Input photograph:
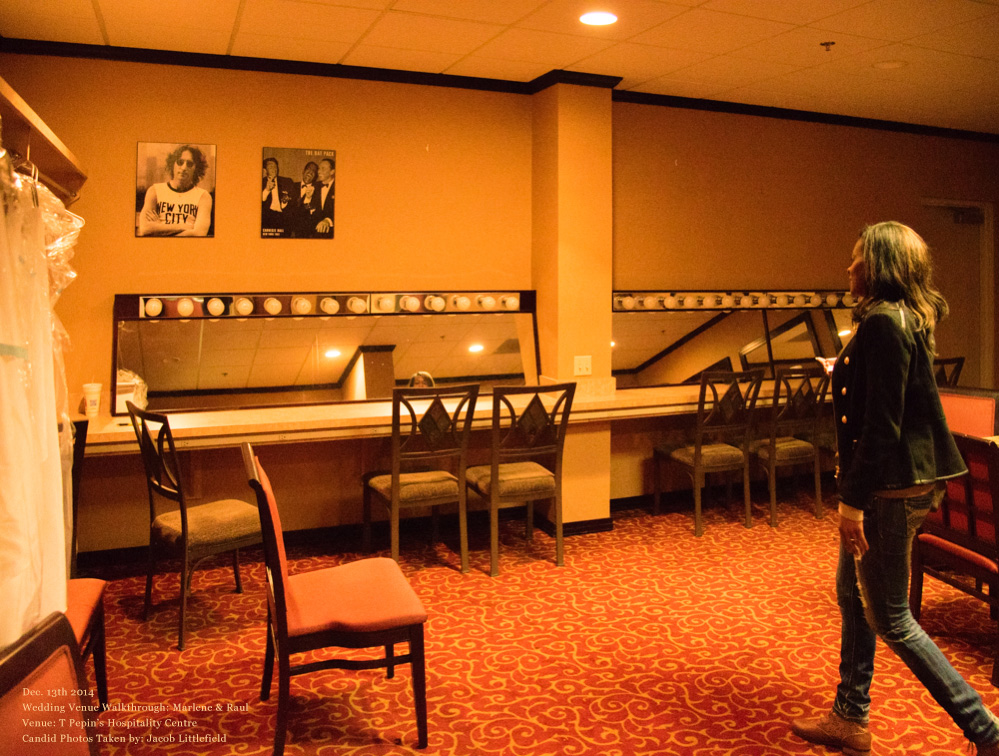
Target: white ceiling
(929, 62)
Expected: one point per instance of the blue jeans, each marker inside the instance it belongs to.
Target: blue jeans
(883, 591)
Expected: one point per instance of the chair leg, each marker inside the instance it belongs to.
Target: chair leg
(559, 547)
(418, 666)
(772, 480)
(235, 570)
(149, 586)
(185, 568)
(268, 673)
(99, 648)
(656, 484)
(366, 501)
(818, 488)
(745, 495)
(463, 528)
(698, 484)
(394, 529)
(284, 698)
(493, 539)
(390, 660)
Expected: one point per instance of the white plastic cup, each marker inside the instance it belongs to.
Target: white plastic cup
(91, 399)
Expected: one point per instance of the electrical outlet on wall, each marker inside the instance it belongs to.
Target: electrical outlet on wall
(583, 365)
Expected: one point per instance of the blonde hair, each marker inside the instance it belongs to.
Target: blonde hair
(898, 268)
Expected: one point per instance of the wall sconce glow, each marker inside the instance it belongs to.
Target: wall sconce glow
(613, 344)
(598, 18)
(332, 354)
(476, 348)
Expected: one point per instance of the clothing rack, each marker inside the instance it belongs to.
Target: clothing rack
(35, 149)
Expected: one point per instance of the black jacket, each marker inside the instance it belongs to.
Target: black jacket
(890, 427)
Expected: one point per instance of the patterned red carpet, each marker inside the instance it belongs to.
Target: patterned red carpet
(648, 641)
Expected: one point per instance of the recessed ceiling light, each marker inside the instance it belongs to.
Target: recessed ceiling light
(333, 353)
(476, 348)
(890, 65)
(598, 18)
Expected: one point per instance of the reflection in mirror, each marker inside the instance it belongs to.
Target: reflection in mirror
(654, 346)
(198, 362)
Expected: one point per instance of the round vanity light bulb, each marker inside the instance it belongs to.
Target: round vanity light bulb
(669, 302)
(244, 306)
(301, 306)
(799, 300)
(153, 307)
(815, 300)
(831, 300)
(487, 302)
(728, 301)
(650, 303)
(216, 306)
(329, 305)
(434, 303)
(272, 305)
(185, 307)
(357, 305)
(848, 299)
(628, 303)
(781, 300)
(511, 302)
(409, 304)
(386, 304)
(461, 302)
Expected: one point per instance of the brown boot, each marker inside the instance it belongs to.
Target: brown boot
(832, 730)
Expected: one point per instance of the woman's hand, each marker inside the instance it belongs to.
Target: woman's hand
(851, 534)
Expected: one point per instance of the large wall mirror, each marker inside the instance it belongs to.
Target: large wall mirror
(185, 352)
(669, 338)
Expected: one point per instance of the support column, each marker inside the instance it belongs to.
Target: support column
(572, 267)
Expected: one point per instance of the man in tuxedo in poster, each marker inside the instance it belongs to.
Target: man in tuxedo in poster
(322, 201)
(274, 200)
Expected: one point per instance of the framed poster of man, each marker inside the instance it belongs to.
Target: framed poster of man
(175, 189)
(297, 193)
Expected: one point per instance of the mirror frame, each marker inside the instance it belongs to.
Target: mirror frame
(323, 305)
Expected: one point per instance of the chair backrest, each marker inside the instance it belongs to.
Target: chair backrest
(424, 429)
(972, 411)
(947, 370)
(43, 669)
(968, 515)
(725, 405)
(159, 453)
(523, 428)
(275, 558)
(76, 475)
(798, 401)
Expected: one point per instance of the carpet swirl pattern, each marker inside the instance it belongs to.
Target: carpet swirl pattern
(648, 641)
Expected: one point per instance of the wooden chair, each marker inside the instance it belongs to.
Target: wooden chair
(190, 533)
(44, 667)
(791, 434)
(948, 370)
(957, 543)
(363, 604)
(429, 458)
(721, 437)
(525, 458)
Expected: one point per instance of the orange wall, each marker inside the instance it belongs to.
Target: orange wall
(433, 184)
(718, 201)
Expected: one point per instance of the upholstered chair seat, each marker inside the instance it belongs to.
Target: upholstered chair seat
(209, 523)
(527, 479)
(417, 486)
(720, 456)
(787, 450)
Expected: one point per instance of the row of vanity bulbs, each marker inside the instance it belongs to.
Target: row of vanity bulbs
(700, 300)
(329, 305)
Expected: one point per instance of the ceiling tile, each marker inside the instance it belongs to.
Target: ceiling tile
(288, 48)
(306, 20)
(69, 21)
(710, 32)
(921, 67)
(788, 11)
(633, 17)
(218, 15)
(168, 37)
(803, 47)
(494, 68)
(401, 60)
(666, 85)
(415, 32)
(489, 11)
(731, 72)
(979, 38)
(898, 20)
(554, 50)
(637, 63)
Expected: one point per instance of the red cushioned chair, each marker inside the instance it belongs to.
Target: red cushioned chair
(44, 667)
(85, 612)
(957, 543)
(363, 604)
